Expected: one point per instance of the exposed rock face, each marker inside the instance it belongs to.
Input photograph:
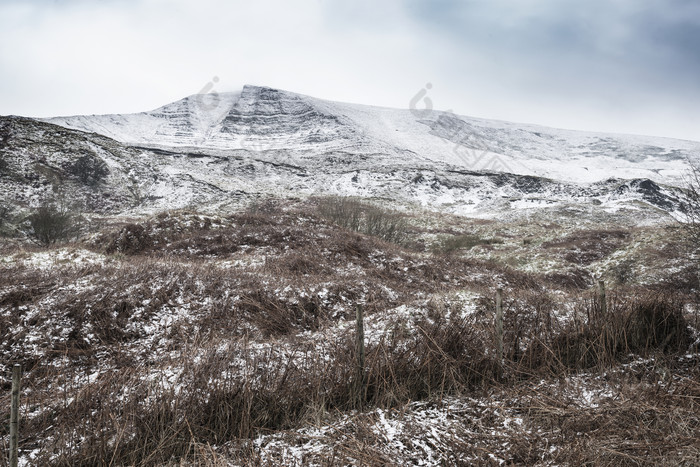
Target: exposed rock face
(40, 164)
(257, 118)
(277, 120)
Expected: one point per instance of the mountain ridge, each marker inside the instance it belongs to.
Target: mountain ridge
(236, 93)
(266, 119)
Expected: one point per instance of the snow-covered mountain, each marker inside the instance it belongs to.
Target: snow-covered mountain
(224, 149)
(267, 120)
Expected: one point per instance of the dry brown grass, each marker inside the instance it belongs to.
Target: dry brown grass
(134, 417)
(587, 246)
(144, 416)
(115, 377)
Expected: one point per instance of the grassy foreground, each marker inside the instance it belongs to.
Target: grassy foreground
(193, 339)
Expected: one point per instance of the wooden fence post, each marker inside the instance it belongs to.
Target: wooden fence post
(360, 352)
(14, 415)
(601, 298)
(499, 329)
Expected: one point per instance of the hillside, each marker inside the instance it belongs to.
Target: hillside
(203, 311)
(217, 150)
(229, 341)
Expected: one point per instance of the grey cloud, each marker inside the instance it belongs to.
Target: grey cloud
(600, 64)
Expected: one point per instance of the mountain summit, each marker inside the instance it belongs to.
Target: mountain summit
(262, 119)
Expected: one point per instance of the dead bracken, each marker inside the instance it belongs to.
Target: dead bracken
(199, 339)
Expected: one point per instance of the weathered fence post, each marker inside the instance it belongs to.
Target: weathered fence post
(14, 415)
(499, 329)
(360, 352)
(601, 297)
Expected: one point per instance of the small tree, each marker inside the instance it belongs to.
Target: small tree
(50, 223)
(691, 208)
(89, 169)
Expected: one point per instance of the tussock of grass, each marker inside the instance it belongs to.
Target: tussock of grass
(464, 242)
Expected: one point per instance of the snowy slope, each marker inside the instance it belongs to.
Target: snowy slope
(186, 122)
(37, 159)
(218, 151)
(267, 120)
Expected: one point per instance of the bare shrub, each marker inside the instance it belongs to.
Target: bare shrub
(344, 212)
(690, 206)
(276, 317)
(51, 223)
(364, 217)
(448, 355)
(131, 239)
(387, 225)
(638, 325)
(656, 322)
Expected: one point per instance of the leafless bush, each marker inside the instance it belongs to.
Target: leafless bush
(51, 223)
(691, 207)
(364, 217)
(275, 317)
(131, 239)
(632, 325)
(446, 356)
(344, 212)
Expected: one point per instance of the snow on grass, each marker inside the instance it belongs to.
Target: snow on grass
(453, 431)
(73, 257)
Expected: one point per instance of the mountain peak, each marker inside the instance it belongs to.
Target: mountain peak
(265, 119)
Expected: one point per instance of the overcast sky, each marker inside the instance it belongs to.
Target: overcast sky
(607, 65)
